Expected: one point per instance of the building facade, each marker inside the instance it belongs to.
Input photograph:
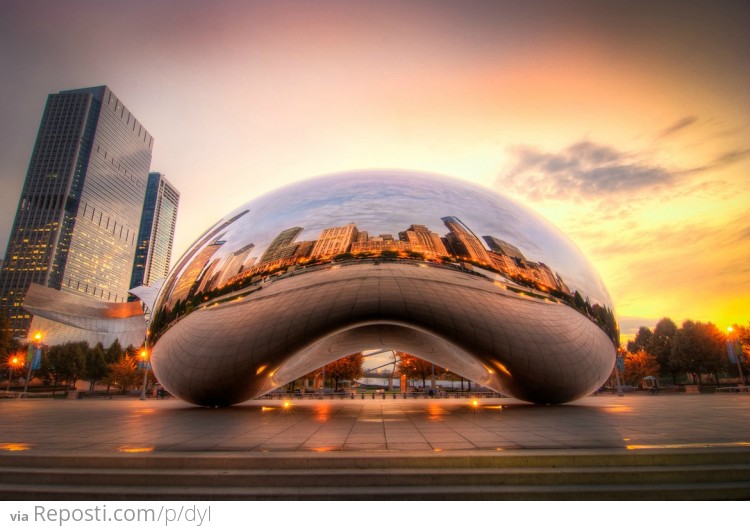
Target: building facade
(277, 248)
(79, 213)
(464, 242)
(335, 240)
(156, 233)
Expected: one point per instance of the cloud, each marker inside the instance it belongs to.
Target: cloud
(629, 325)
(584, 169)
(730, 158)
(677, 126)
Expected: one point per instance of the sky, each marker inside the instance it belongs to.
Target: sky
(626, 124)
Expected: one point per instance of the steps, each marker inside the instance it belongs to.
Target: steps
(659, 474)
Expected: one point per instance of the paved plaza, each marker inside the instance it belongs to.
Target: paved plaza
(500, 424)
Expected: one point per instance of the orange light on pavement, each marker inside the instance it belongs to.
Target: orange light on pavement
(14, 447)
(135, 449)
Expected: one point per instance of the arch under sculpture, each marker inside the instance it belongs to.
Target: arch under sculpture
(435, 267)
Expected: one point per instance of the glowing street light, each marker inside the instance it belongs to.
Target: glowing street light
(14, 362)
(144, 360)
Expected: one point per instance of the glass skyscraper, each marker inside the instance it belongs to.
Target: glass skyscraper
(154, 250)
(77, 223)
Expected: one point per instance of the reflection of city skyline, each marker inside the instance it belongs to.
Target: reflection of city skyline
(457, 246)
(389, 201)
(408, 218)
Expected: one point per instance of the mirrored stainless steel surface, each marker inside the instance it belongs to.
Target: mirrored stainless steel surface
(436, 267)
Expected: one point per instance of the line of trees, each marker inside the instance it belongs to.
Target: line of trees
(65, 364)
(339, 371)
(694, 349)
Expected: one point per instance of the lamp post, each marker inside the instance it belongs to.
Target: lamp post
(144, 360)
(733, 353)
(13, 363)
(31, 360)
(619, 364)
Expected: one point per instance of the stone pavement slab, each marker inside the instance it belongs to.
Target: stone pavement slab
(442, 425)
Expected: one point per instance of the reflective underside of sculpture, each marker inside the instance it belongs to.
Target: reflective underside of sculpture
(430, 266)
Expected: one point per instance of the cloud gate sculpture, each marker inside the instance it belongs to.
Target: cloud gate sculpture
(435, 267)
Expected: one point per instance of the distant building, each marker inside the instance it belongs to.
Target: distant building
(233, 265)
(191, 278)
(276, 249)
(377, 244)
(79, 212)
(156, 234)
(335, 240)
(214, 233)
(502, 247)
(463, 242)
(422, 240)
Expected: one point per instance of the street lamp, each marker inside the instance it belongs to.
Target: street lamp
(31, 359)
(144, 361)
(733, 353)
(13, 363)
(619, 365)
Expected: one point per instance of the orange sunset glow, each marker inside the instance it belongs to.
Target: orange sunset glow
(626, 124)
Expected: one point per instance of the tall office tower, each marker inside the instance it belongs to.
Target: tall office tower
(80, 208)
(282, 240)
(213, 234)
(194, 273)
(502, 247)
(154, 248)
(464, 242)
(233, 265)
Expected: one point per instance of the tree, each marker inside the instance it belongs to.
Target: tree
(415, 368)
(345, 369)
(114, 353)
(124, 374)
(662, 343)
(67, 362)
(642, 340)
(96, 367)
(699, 348)
(639, 364)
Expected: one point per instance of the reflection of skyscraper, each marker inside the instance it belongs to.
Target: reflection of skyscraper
(192, 273)
(379, 244)
(184, 259)
(208, 277)
(502, 247)
(464, 242)
(335, 240)
(303, 249)
(422, 240)
(233, 265)
(156, 234)
(282, 240)
(546, 276)
(80, 207)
